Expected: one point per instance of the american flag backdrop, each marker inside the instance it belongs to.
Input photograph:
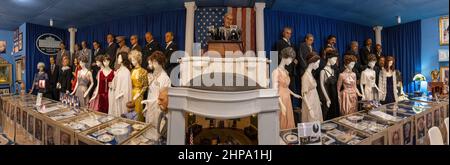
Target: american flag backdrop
(244, 18)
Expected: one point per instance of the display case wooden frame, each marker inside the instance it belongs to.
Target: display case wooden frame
(83, 136)
(53, 129)
(39, 129)
(395, 134)
(380, 138)
(420, 129)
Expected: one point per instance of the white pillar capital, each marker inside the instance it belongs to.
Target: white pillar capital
(189, 38)
(72, 31)
(259, 9)
(377, 30)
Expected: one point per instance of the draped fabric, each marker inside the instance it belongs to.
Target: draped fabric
(157, 23)
(320, 27)
(404, 43)
(33, 55)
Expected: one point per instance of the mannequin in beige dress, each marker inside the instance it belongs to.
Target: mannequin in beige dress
(311, 108)
(280, 81)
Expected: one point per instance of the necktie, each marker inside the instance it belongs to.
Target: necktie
(53, 68)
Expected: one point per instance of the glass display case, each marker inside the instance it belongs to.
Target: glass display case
(85, 121)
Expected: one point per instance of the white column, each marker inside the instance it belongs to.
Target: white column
(259, 9)
(72, 32)
(190, 12)
(377, 30)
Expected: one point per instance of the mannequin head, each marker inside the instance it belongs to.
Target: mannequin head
(332, 56)
(135, 58)
(83, 61)
(354, 46)
(372, 60)
(84, 44)
(156, 61)
(99, 61)
(41, 66)
(389, 65)
(313, 60)
(122, 59)
(350, 61)
(287, 55)
(106, 61)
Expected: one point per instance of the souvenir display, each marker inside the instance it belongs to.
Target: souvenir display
(290, 137)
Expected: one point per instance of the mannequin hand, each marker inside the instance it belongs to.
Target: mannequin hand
(120, 95)
(31, 91)
(145, 102)
(92, 99)
(328, 103)
(295, 61)
(85, 94)
(73, 93)
(135, 97)
(58, 85)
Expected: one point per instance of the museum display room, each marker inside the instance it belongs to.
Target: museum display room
(224, 72)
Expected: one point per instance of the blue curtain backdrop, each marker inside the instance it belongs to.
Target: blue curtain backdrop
(404, 43)
(320, 27)
(158, 24)
(33, 55)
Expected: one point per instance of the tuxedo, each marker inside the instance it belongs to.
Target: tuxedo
(303, 52)
(148, 50)
(170, 48)
(111, 52)
(136, 47)
(53, 75)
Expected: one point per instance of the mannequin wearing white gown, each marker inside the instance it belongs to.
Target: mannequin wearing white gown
(311, 108)
(368, 81)
(158, 80)
(120, 88)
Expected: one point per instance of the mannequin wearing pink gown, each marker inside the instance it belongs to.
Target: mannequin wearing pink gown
(286, 120)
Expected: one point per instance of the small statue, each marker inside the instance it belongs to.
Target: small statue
(435, 76)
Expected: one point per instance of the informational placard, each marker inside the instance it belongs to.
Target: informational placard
(309, 133)
(48, 43)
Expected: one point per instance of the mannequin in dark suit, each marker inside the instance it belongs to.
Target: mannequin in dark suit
(378, 51)
(150, 47)
(365, 52)
(65, 77)
(111, 49)
(94, 68)
(305, 48)
(353, 50)
(53, 74)
(135, 43)
(170, 48)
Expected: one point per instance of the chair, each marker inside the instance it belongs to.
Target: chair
(446, 126)
(435, 136)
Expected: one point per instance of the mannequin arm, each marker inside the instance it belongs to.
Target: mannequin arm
(339, 84)
(90, 86)
(275, 79)
(144, 88)
(295, 95)
(96, 89)
(322, 86)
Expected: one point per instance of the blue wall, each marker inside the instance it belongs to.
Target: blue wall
(8, 37)
(430, 46)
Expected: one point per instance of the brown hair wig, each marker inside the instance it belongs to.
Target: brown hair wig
(159, 57)
(386, 63)
(349, 58)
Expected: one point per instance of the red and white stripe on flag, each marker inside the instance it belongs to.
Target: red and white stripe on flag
(245, 19)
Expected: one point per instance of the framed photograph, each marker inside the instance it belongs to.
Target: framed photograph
(437, 117)
(38, 126)
(20, 41)
(443, 55)
(2, 46)
(443, 30)
(30, 124)
(444, 74)
(407, 128)
(421, 130)
(51, 134)
(66, 138)
(429, 120)
(5, 73)
(18, 116)
(24, 119)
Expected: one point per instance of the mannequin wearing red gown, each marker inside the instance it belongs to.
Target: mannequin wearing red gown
(103, 86)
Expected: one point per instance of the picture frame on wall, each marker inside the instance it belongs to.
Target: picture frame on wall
(5, 73)
(443, 30)
(2, 46)
(20, 41)
(444, 74)
(443, 55)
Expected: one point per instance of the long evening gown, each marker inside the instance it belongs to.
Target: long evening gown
(312, 112)
(368, 80)
(139, 83)
(103, 87)
(349, 96)
(330, 87)
(122, 85)
(83, 84)
(153, 110)
(287, 120)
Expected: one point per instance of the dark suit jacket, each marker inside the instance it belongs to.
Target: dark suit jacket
(111, 51)
(281, 44)
(52, 77)
(148, 50)
(168, 51)
(65, 78)
(302, 54)
(137, 47)
(364, 55)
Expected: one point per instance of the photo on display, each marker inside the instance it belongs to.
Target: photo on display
(444, 74)
(31, 125)
(443, 30)
(442, 114)
(429, 121)
(395, 137)
(38, 129)
(65, 138)
(50, 135)
(379, 141)
(5, 74)
(2, 46)
(437, 117)
(309, 133)
(24, 119)
(421, 130)
(18, 116)
(407, 133)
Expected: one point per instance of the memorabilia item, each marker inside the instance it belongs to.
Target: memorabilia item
(2, 46)
(443, 30)
(309, 133)
(444, 75)
(5, 73)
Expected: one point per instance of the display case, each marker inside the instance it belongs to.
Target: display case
(114, 132)
(375, 128)
(85, 121)
(143, 138)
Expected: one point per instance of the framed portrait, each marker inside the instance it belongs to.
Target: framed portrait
(443, 55)
(18, 115)
(20, 41)
(443, 30)
(38, 126)
(65, 138)
(444, 74)
(30, 124)
(429, 120)
(437, 117)
(51, 134)
(407, 129)
(24, 119)
(396, 135)
(5, 73)
(2, 46)
(421, 129)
